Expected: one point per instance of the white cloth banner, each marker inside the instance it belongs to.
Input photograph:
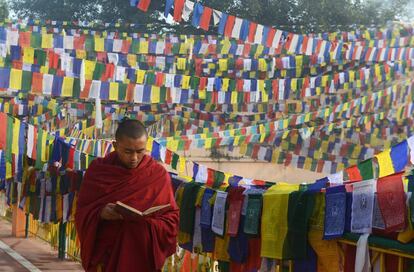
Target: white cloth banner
(363, 206)
(219, 213)
(362, 261)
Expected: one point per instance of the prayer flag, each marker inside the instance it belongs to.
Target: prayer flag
(391, 200)
(385, 163)
(399, 156)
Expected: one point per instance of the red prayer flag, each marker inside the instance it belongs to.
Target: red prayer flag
(252, 31)
(178, 10)
(391, 200)
(37, 82)
(353, 173)
(235, 199)
(143, 5)
(210, 177)
(229, 25)
(24, 39)
(205, 18)
(270, 37)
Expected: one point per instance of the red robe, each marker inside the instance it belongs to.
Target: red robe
(124, 245)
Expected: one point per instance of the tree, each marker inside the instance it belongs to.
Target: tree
(291, 15)
(4, 11)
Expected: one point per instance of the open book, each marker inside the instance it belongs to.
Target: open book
(126, 210)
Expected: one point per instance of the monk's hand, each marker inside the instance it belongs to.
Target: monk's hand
(109, 212)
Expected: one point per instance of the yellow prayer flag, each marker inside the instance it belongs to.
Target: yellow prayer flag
(67, 86)
(9, 173)
(327, 112)
(181, 165)
(149, 144)
(202, 94)
(274, 220)
(208, 143)
(225, 85)
(47, 40)
(262, 65)
(223, 64)
(89, 69)
(28, 55)
(308, 163)
(143, 47)
(183, 48)
(16, 133)
(308, 116)
(44, 70)
(286, 123)
(324, 80)
(155, 94)
(294, 84)
(113, 91)
(186, 82)
(16, 79)
(140, 76)
(132, 60)
(174, 145)
(233, 97)
(275, 156)
(226, 46)
(43, 154)
(99, 44)
(81, 54)
(385, 163)
(259, 50)
(181, 63)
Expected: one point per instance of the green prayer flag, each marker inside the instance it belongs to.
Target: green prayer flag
(26, 81)
(36, 40)
(174, 161)
(163, 94)
(40, 56)
(188, 208)
(122, 91)
(218, 179)
(253, 213)
(300, 208)
(76, 88)
(89, 44)
(181, 145)
(135, 46)
(99, 70)
(366, 170)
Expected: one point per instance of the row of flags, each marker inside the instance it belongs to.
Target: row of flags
(394, 31)
(201, 16)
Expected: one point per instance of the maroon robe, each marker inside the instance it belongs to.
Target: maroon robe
(124, 245)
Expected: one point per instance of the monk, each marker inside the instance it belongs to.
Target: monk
(109, 241)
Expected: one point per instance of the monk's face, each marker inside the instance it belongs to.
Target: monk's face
(131, 151)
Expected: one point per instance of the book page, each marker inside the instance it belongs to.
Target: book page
(155, 208)
(129, 208)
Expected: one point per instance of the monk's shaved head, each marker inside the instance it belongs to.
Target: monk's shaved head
(133, 129)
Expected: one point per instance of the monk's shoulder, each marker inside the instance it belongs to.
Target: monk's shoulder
(159, 168)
